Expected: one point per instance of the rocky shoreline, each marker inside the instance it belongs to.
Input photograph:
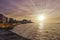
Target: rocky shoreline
(8, 35)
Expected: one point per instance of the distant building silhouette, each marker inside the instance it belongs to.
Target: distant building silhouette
(11, 20)
(24, 21)
(6, 22)
(3, 19)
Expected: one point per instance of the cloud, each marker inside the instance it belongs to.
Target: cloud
(16, 8)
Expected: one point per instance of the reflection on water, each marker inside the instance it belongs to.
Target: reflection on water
(41, 27)
(39, 31)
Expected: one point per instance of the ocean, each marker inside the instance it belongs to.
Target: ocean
(40, 31)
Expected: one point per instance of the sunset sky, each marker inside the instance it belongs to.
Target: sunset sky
(30, 9)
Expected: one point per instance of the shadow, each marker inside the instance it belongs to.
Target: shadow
(8, 35)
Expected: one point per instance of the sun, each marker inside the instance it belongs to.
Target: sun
(41, 17)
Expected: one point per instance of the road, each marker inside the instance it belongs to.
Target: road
(38, 31)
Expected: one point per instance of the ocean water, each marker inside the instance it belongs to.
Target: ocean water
(38, 31)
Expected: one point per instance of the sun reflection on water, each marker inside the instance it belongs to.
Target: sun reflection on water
(41, 27)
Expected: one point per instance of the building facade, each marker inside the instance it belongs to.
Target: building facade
(3, 19)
